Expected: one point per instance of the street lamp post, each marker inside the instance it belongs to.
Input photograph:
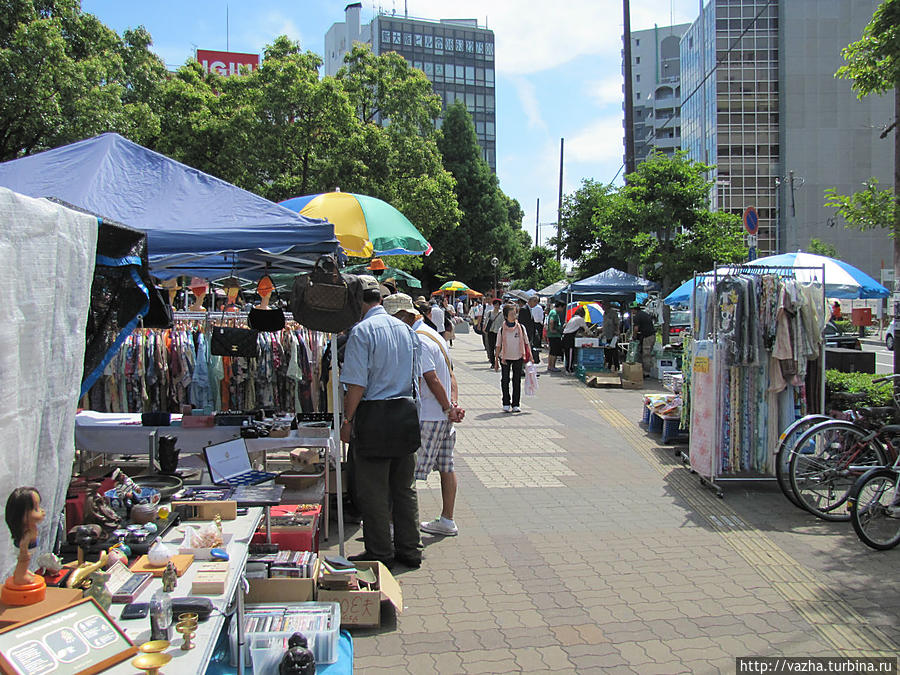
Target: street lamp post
(494, 263)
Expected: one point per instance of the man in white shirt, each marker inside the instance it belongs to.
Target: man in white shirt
(459, 307)
(437, 413)
(437, 316)
(537, 314)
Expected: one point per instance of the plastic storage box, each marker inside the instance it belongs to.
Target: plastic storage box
(592, 358)
(324, 642)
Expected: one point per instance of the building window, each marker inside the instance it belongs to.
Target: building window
(460, 74)
(407, 39)
(637, 60)
(637, 42)
(489, 76)
(470, 46)
(429, 70)
(396, 38)
(438, 42)
(417, 65)
(385, 36)
(637, 78)
(439, 72)
(637, 95)
(429, 42)
(418, 40)
(489, 48)
(459, 44)
(479, 48)
(470, 74)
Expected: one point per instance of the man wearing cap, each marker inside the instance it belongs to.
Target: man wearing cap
(645, 333)
(381, 362)
(438, 412)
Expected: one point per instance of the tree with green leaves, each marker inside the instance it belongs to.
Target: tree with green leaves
(491, 223)
(65, 76)
(820, 247)
(873, 63)
(542, 269)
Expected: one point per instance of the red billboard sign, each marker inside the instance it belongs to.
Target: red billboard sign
(226, 63)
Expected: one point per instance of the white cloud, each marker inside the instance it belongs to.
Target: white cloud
(600, 141)
(532, 38)
(528, 99)
(606, 91)
(264, 27)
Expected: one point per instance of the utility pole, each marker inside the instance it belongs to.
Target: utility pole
(559, 204)
(629, 94)
(537, 223)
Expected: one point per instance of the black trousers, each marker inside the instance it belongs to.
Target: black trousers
(568, 345)
(612, 357)
(516, 367)
(491, 346)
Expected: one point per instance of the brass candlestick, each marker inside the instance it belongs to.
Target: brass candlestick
(188, 616)
(186, 628)
(151, 662)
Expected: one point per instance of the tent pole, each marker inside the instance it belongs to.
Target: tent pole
(336, 444)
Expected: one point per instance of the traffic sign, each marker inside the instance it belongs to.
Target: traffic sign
(751, 220)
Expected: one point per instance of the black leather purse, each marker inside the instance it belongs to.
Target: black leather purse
(270, 320)
(230, 341)
(326, 300)
(386, 428)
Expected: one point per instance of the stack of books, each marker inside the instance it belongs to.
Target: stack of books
(338, 574)
(290, 564)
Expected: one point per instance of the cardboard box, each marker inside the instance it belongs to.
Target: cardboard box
(282, 589)
(628, 384)
(363, 608)
(633, 372)
(227, 510)
(587, 342)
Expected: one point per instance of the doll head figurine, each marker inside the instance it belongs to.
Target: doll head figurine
(23, 515)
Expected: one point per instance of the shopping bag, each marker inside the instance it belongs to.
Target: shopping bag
(529, 387)
(634, 352)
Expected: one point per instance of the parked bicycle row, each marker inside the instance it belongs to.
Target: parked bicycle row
(846, 467)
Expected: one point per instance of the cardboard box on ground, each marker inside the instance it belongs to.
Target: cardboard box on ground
(363, 608)
(632, 372)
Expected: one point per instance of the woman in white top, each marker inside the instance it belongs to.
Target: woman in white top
(570, 331)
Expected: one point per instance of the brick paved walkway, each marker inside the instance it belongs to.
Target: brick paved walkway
(585, 547)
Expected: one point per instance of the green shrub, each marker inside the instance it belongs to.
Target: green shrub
(858, 383)
(846, 326)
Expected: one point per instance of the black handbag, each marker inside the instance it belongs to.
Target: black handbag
(270, 320)
(386, 428)
(326, 300)
(159, 312)
(230, 341)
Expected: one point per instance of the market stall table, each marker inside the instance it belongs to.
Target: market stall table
(196, 660)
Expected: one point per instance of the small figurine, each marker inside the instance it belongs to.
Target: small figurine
(125, 487)
(49, 562)
(169, 578)
(98, 590)
(98, 510)
(23, 515)
(298, 659)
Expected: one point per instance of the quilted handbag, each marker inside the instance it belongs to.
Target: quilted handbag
(229, 341)
(326, 300)
(268, 319)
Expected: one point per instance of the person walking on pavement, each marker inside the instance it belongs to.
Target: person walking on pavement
(574, 327)
(526, 320)
(513, 352)
(439, 411)
(554, 335)
(537, 316)
(610, 334)
(381, 363)
(437, 315)
(492, 322)
(644, 331)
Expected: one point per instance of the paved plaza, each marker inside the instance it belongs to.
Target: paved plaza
(585, 546)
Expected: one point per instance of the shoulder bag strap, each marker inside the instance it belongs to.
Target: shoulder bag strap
(440, 346)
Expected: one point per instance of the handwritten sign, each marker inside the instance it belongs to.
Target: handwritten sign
(701, 364)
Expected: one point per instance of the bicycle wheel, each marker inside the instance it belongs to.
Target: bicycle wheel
(786, 442)
(820, 466)
(875, 509)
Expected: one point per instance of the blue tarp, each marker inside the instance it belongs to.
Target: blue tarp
(608, 283)
(191, 218)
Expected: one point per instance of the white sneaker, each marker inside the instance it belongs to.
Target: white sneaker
(516, 409)
(506, 408)
(440, 526)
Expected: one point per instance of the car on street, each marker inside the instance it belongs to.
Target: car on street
(679, 325)
(834, 337)
(889, 337)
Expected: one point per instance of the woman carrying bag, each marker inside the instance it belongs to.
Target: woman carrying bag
(513, 352)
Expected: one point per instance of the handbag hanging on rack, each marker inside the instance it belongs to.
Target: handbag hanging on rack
(326, 300)
(264, 318)
(232, 341)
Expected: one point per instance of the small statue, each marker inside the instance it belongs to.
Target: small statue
(23, 515)
(98, 590)
(125, 487)
(169, 578)
(298, 659)
(99, 511)
(49, 562)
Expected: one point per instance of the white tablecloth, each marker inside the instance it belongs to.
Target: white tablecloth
(122, 433)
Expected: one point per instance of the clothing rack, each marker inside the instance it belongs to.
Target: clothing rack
(723, 272)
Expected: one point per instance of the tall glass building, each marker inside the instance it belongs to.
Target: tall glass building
(760, 102)
(457, 55)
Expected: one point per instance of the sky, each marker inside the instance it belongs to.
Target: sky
(559, 72)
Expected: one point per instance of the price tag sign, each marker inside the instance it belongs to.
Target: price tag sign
(701, 364)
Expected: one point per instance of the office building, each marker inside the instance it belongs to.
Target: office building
(457, 55)
(656, 84)
(760, 101)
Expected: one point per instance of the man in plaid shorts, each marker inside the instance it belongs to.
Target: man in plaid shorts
(437, 413)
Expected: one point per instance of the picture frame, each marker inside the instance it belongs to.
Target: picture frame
(79, 639)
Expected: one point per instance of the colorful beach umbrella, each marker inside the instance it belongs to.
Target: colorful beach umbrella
(364, 225)
(454, 286)
(386, 273)
(593, 313)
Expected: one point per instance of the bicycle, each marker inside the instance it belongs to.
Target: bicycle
(829, 457)
(874, 503)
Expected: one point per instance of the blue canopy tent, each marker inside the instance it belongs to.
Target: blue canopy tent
(611, 284)
(195, 223)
